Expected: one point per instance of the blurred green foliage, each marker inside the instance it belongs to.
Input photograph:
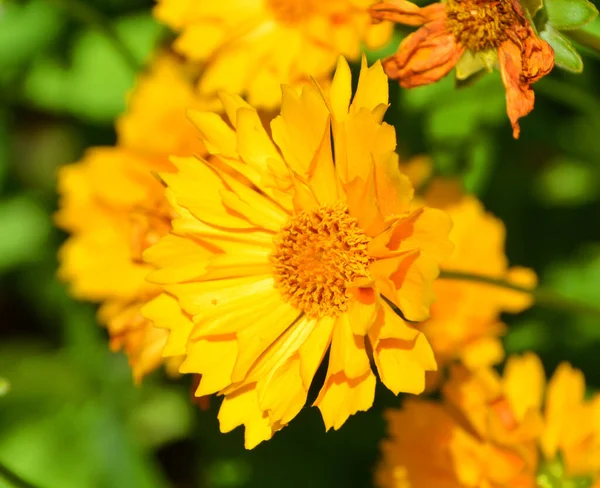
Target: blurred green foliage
(70, 416)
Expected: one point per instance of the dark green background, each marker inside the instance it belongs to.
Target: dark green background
(71, 417)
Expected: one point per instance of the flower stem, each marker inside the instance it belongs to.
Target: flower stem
(13, 478)
(543, 298)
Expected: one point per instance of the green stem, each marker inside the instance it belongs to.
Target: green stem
(14, 479)
(88, 15)
(542, 297)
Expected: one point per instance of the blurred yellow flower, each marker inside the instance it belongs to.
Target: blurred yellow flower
(114, 208)
(572, 424)
(282, 252)
(494, 432)
(250, 47)
(465, 319)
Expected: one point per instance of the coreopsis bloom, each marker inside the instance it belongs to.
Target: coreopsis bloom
(291, 246)
(250, 47)
(493, 432)
(114, 207)
(470, 35)
(465, 319)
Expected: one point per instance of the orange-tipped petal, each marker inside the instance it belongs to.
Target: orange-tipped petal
(521, 66)
(424, 56)
(519, 95)
(538, 58)
(404, 12)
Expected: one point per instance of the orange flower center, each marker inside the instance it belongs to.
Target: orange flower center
(317, 256)
(480, 25)
(291, 11)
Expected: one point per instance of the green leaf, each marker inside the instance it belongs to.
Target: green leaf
(567, 183)
(25, 28)
(77, 445)
(570, 14)
(480, 165)
(588, 36)
(457, 114)
(4, 387)
(5, 146)
(578, 278)
(95, 85)
(24, 227)
(527, 335)
(161, 416)
(229, 473)
(565, 55)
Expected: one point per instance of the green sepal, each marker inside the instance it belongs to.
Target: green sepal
(570, 14)
(533, 6)
(565, 55)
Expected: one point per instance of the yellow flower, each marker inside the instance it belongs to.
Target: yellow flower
(155, 122)
(572, 423)
(250, 47)
(290, 246)
(489, 431)
(465, 319)
(114, 207)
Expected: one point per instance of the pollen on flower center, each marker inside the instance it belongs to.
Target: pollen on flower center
(290, 11)
(479, 25)
(317, 256)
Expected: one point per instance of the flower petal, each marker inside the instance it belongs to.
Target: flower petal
(402, 354)
(198, 188)
(523, 383)
(402, 364)
(177, 259)
(340, 92)
(405, 12)
(519, 95)
(565, 393)
(241, 408)
(299, 130)
(217, 136)
(341, 397)
(424, 56)
(199, 298)
(214, 359)
(373, 88)
(164, 311)
(347, 353)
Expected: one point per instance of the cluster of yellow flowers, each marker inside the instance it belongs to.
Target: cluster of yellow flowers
(248, 233)
(490, 431)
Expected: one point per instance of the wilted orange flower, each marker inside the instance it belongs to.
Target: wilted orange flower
(465, 318)
(250, 47)
(469, 35)
(114, 208)
(286, 248)
(493, 432)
